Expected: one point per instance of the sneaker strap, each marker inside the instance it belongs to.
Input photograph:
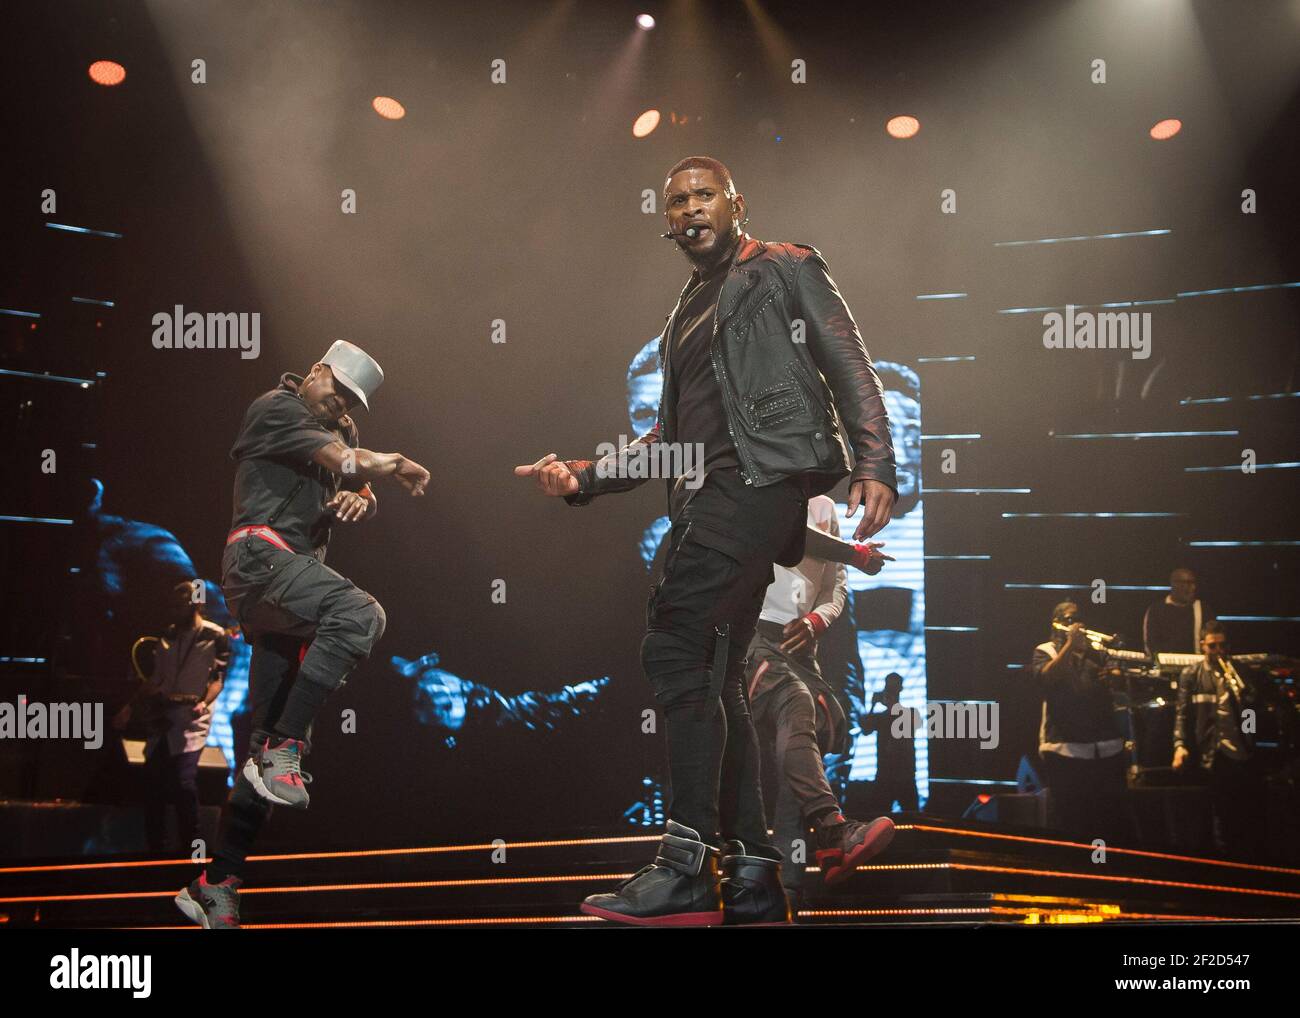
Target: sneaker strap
(683, 854)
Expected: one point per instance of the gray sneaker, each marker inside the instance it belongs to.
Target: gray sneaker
(275, 772)
(212, 906)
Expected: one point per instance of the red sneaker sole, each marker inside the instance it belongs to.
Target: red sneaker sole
(679, 919)
(871, 846)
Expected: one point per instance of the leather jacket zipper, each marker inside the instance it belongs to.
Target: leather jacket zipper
(724, 384)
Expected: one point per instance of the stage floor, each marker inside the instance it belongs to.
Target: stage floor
(936, 872)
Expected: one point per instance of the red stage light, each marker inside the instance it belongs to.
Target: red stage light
(389, 109)
(1166, 129)
(902, 127)
(107, 72)
(645, 124)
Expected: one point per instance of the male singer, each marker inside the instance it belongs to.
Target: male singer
(762, 361)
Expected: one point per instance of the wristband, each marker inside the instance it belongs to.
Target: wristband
(865, 559)
(817, 623)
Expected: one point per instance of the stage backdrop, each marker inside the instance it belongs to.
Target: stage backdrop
(497, 250)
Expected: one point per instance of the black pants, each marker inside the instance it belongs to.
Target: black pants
(1090, 797)
(284, 602)
(722, 545)
(173, 779)
(1237, 791)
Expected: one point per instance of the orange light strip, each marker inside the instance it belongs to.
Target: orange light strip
(1111, 917)
(1088, 847)
(894, 911)
(354, 854)
(310, 888)
(1119, 879)
(537, 920)
(573, 842)
(384, 923)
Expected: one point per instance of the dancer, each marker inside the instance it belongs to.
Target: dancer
(300, 471)
(798, 717)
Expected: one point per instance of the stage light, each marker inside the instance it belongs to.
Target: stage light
(645, 21)
(389, 109)
(902, 127)
(645, 124)
(1166, 129)
(107, 72)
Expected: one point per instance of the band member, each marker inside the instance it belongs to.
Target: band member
(299, 472)
(1173, 626)
(798, 717)
(1210, 732)
(765, 400)
(1079, 740)
(189, 670)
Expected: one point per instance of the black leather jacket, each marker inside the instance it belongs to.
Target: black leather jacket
(785, 401)
(1209, 714)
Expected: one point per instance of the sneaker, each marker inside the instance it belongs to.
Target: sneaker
(752, 894)
(680, 888)
(275, 771)
(845, 844)
(212, 906)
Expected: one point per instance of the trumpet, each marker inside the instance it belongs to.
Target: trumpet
(1093, 636)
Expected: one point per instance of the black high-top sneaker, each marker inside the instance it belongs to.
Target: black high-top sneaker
(843, 844)
(680, 888)
(752, 894)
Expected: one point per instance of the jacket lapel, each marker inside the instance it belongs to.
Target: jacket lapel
(739, 281)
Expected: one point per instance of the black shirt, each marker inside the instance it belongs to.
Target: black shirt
(1077, 704)
(700, 416)
(1171, 628)
(276, 442)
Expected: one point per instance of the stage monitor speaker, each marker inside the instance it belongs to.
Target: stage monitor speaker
(1019, 808)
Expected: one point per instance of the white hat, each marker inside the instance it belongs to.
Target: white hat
(355, 369)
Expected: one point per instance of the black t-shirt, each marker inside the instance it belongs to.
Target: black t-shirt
(276, 442)
(700, 416)
(1171, 628)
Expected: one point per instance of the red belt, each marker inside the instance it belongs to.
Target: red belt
(265, 533)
